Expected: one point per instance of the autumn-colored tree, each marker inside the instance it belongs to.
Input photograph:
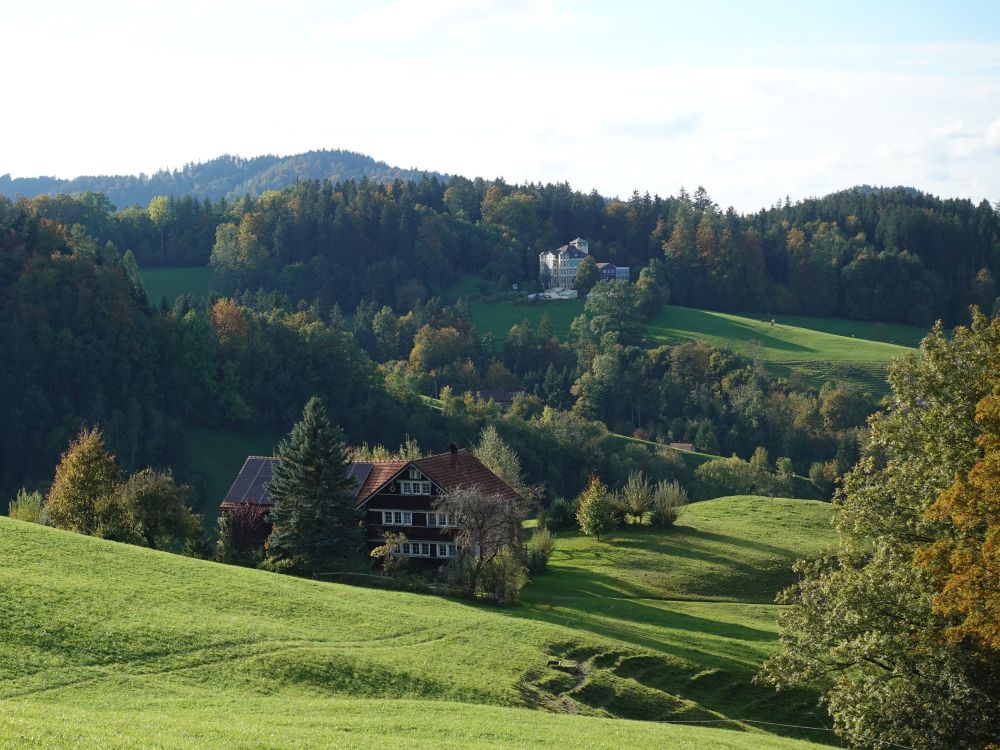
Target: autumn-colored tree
(85, 482)
(229, 321)
(966, 562)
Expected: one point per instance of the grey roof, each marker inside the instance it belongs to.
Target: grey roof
(251, 483)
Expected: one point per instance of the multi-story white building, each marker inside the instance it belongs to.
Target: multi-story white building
(558, 267)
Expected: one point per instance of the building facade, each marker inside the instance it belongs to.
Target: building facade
(557, 268)
(398, 496)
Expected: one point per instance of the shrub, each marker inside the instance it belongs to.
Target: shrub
(636, 499)
(242, 531)
(560, 515)
(734, 476)
(392, 560)
(668, 500)
(539, 548)
(27, 506)
(596, 513)
(503, 577)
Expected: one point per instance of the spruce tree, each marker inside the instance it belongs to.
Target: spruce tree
(315, 522)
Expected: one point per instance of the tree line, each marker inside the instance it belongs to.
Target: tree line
(871, 254)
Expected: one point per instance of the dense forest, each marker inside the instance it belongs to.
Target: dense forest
(333, 289)
(83, 346)
(226, 177)
(868, 254)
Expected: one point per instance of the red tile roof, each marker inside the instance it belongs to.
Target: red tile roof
(467, 471)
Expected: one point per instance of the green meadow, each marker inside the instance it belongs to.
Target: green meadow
(819, 349)
(104, 645)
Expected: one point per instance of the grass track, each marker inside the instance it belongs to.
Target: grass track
(105, 645)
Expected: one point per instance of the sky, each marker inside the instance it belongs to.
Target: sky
(753, 101)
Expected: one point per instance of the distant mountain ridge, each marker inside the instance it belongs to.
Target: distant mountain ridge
(227, 177)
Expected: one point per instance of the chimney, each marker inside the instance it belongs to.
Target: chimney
(453, 449)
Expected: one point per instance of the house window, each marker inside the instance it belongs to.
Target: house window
(441, 519)
(446, 550)
(425, 549)
(414, 473)
(406, 548)
(397, 518)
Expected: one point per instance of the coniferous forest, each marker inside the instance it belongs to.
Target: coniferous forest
(335, 290)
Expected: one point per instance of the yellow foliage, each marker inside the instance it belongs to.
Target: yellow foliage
(966, 563)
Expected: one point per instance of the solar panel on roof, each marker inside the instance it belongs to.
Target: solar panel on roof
(243, 480)
(359, 473)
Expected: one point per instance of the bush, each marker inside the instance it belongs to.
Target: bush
(596, 513)
(669, 498)
(559, 516)
(390, 554)
(27, 506)
(504, 577)
(539, 549)
(242, 531)
(636, 499)
(734, 476)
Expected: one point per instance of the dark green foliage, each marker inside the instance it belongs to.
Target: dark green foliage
(734, 476)
(559, 515)
(315, 522)
(157, 508)
(861, 626)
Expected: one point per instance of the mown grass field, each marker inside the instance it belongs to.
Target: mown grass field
(105, 645)
(818, 355)
(170, 283)
(820, 349)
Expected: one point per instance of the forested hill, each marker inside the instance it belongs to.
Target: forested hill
(226, 177)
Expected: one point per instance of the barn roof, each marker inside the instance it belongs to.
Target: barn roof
(446, 470)
(250, 485)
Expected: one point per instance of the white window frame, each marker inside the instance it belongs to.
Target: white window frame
(397, 517)
(441, 520)
(415, 473)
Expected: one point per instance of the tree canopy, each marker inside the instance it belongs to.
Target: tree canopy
(863, 624)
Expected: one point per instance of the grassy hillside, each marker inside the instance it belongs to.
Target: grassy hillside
(821, 349)
(170, 283)
(105, 645)
(784, 348)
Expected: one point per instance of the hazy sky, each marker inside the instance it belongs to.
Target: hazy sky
(752, 100)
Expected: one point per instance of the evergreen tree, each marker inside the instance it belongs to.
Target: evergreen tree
(315, 522)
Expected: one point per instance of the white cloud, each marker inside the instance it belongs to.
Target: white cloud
(993, 134)
(409, 19)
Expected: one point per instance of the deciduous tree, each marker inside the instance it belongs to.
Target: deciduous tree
(84, 485)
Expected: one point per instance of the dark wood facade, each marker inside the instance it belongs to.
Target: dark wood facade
(394, 496)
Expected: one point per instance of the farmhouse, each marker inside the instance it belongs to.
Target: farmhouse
(394, 496)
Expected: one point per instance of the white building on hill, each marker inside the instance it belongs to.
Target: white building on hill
(559, 266)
